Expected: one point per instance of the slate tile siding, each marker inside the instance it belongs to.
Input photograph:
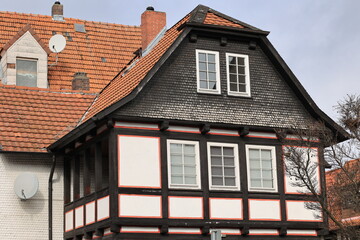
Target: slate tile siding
(172, 93)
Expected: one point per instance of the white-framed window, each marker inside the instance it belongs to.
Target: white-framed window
(261, 168)
(183, 164)
(208, 71)
(238, 74)
(26, 72)
(223, 162)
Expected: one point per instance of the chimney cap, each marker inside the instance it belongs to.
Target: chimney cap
(57, 2)
(150, 8)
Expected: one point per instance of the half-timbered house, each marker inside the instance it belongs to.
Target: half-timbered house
(181, 139)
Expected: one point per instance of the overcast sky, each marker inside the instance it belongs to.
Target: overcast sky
(319, 39)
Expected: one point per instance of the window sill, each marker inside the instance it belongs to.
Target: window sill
(236, 94)
(263, 190)
(204, 91)
(183, 187)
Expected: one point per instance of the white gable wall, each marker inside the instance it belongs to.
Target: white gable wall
(29, 219)
(25, 47)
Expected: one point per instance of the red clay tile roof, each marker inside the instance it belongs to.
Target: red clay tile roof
(214, 19)
(33, 118)
(114, 42)
(122, 86)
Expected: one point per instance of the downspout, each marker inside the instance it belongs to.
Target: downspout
(50, 204)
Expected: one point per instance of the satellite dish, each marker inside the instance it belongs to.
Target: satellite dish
(57, 43)
(26, 185)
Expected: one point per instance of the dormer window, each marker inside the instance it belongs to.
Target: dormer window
(26, 72)
(238, 76)
(208, 71)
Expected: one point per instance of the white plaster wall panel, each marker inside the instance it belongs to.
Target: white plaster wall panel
(262, 135)
(186, 207)
(139, 161)
(266, 210)
(176, 230)
(90, 213)
(79, 217)
(293, 232)
(226, 208)
(229, 231)
(225, 132)
(184, 129)
(290, 182)
(297, 211)
(69, 220)
(128, 229)
(27, 47)
(264, 232)
(141, 206)
(3, 69)
(103, 208)
(29, 219)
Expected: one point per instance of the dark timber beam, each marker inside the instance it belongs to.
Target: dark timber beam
(98, 167)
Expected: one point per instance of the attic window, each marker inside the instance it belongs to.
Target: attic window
(79, 28)
(208, 71)
(103, 59)
(238, 75)
(26, 72)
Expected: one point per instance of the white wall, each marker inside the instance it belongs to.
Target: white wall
(29, 219)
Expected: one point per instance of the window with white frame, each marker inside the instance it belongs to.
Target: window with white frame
(26, 72)
(208, 71)
(238, 75)
(223, 161)
(183, 164)
(261, 166)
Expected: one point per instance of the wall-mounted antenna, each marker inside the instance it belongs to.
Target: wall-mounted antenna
(57, 43)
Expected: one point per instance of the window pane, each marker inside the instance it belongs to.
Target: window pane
(230, 182)
(255, 183)
(176, 180)
(189, 159)
(241, 70)
(212, 76)
(211, 58)
(190, 170)
(202, 57)
(233, 87)
(229, 161)
(176, 159)
(255, 174)
(242, 88)
(175, 148)
(190, 180)
(26, 73)
(203, 75)
(215, 151)
(176, 169)
(212, 85)
(241, 61)
(217, 171)
(217, 181)
(266, 164)
(242, 79)
(267, 174)
(202, 66)
(212, 67)
(189, 149)
(216, 161)
(254, 154)
(266, 154)
(232, 60)
(233, 78)
(228, 151)
(268, 184)
(203, 84)
(229, 171)
(254, 164)
(232, 69)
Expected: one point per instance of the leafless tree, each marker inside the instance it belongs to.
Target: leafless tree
(342, 203)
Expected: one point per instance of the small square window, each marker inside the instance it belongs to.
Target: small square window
(26, 72)
(223, 166)
(238, 75)
(261, 166)
(208, 71)
(183, 164)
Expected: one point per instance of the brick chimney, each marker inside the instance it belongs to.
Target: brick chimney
(57, 11)
(152, 22)
(80, 81)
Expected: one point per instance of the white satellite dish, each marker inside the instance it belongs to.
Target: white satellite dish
(26, 185)
(57, 43)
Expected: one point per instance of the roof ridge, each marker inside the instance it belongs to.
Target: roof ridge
(36, 89)
(67, 18)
